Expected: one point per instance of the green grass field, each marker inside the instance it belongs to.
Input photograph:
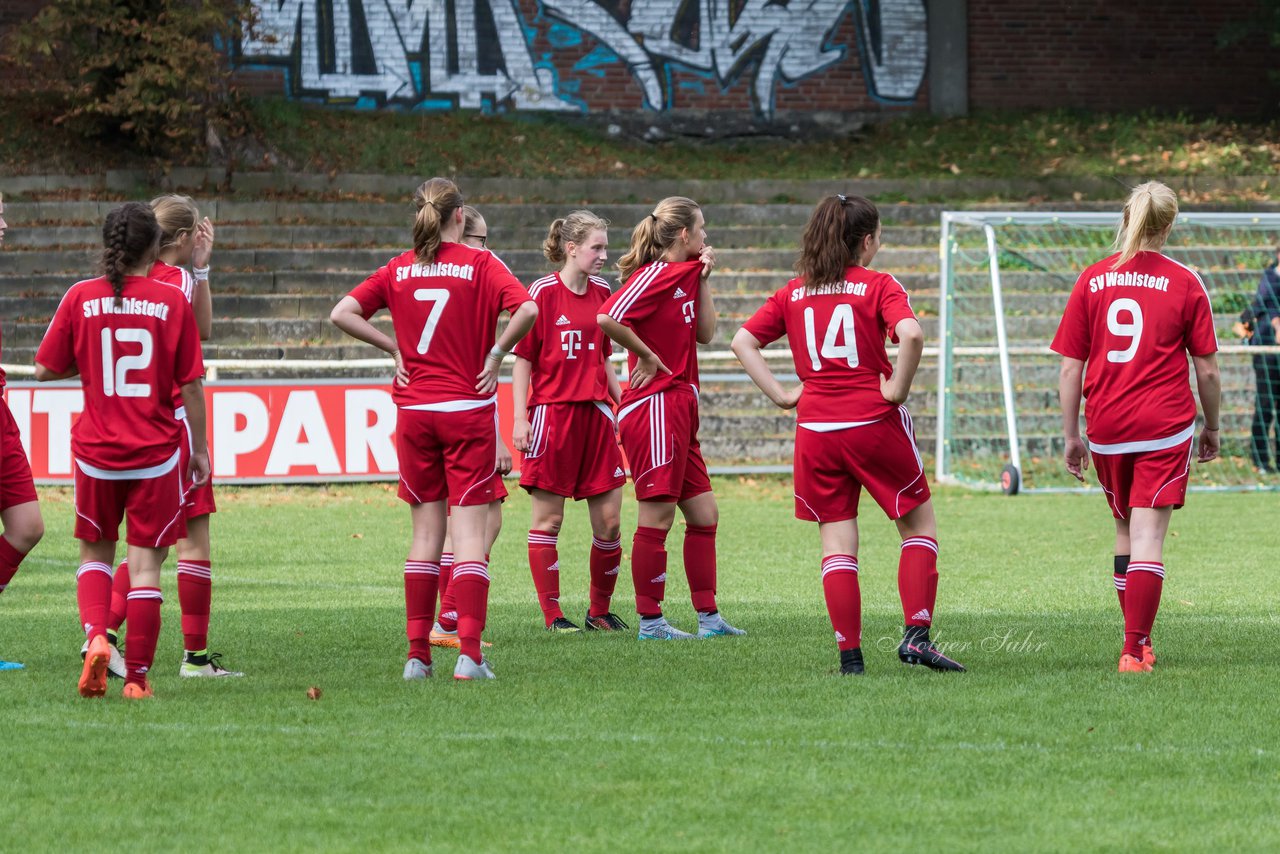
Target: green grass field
(727, 745)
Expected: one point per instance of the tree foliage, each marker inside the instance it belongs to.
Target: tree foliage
(152, 72)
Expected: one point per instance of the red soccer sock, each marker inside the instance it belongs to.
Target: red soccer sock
(544, 565)
(93, 594)
(142, 633)
(9, 560)
(420, 581)
(918, 580)
(448, 605)
(1145, 582)
(700, 566)
(844, 599)
(195, 591)
(471, 581)
(649, 569)
(1118, 574)
(119, 596)
(606, 560)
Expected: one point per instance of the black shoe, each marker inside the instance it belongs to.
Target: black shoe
(609, 622)
(916, 648)
(562, 626)
(851, 662)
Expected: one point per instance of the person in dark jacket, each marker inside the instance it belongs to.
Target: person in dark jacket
(1259, 325)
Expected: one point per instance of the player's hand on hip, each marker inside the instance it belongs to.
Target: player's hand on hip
(790, 397)
(647, 368)
(1076, 456)
(889, 390)
(198, 469)
(401, 374)
(487, 380)
(1210, 444)
(520, 435)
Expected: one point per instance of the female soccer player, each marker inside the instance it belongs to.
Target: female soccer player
(1129, 324)
(564, 390)
(445, 383)
(132, 340)
(20, 517)
(852, 430)
(186, 240)
(444, 633)
(659, 316)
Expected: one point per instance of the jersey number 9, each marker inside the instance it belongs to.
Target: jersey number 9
(1131, 330)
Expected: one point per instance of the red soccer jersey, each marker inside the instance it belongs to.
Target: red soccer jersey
(445, 316)
(660, 304)
(837, 337)
(179, 278)
(1133, 328)
(129, 358)
(567, 347)
(1, 372)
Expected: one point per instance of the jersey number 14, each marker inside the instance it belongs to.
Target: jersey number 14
(839, 341)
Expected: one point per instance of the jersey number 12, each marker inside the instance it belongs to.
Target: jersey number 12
(115, 372)
(840, 327)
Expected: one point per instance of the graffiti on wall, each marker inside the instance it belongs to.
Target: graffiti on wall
(479, 53)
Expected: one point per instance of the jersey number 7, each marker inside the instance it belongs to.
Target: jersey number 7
(438, 297)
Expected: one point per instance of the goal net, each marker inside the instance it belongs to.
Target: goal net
(1005, 278)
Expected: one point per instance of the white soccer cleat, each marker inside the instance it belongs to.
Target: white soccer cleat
(115, 665)
(659, 629)
(204, 666)
(467, 669)
(714, 626)
(415, 669)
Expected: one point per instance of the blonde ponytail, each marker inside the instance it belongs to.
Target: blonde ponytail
(436, 200)
(658, 232)
(1148, 214)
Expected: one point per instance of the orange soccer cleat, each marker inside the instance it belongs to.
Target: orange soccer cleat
(134, 691)
(1129, 664)
(93, 678)
(1148, 654)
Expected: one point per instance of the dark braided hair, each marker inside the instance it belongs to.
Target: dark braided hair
(130, 236)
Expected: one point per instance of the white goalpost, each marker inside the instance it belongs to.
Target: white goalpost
(1004, 280)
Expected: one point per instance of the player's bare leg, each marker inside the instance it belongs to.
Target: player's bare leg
(471, 582)
(918, 588)
(841, 591)
(1144, 582)
(606, 560)
(544, 558)
(23, 527)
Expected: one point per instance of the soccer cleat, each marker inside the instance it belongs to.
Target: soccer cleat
(10, 665)
(659, 629)
(134, 691)
(416, 669)
(204, 665)
(1129, 664)
(467, 669)
(713, 626)
(561, 626)
(609, 622)
(916, 649)
(851, 662)
(115, 665)
(448, 640)
(1148, 654)
(93, 678)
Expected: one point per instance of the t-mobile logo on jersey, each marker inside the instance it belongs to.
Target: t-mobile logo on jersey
(571, 342)
(686, 309)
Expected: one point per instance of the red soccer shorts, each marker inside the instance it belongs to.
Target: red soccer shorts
(832, 469)
(16, 485)
(1145, 478)
(198, 500)
(574, 450)
(660, 436)
(151, 500)
(447, 455)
